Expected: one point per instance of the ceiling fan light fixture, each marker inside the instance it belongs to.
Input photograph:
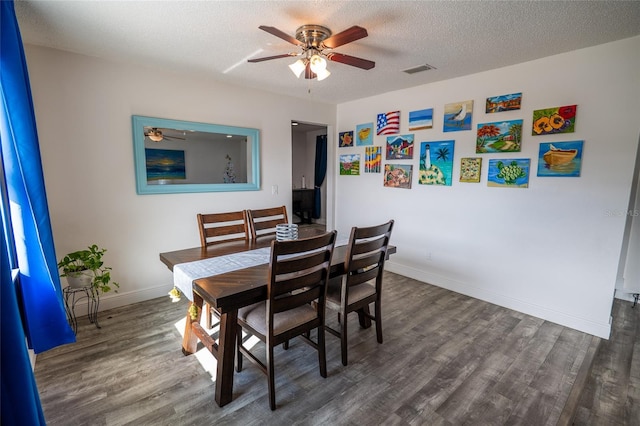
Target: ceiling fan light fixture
(321, 74)
(317, 63)
(298, 67)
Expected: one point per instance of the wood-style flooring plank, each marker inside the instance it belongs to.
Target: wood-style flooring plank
(447, 359)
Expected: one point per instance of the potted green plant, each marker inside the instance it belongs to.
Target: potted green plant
(86, 267)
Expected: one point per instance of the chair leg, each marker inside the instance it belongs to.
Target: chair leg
(285, 345)
(378, 311)
(343, 339)
(322, 353)
(238, 353)
(271, 378)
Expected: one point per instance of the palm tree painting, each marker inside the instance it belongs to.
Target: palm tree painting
(502, 136)
(436, 163)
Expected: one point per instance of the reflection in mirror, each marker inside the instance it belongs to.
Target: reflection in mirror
(179, 156)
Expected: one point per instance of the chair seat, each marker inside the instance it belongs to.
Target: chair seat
(255, 316)
(356, 293)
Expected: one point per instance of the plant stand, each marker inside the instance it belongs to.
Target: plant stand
(73, 296)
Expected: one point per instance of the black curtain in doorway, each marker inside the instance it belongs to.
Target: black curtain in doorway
(320, 173)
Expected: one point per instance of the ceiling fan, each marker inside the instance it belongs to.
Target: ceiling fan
(156, 134)
(317, 43)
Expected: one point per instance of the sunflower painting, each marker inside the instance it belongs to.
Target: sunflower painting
(554, 120)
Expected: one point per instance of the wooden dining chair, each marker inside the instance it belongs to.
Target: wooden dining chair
(216, 228)
(262, 222)
(361, 283)
(298, 275)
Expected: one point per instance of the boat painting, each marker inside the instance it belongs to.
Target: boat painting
(560, 159)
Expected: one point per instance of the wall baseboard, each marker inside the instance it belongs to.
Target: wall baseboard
(115, 300)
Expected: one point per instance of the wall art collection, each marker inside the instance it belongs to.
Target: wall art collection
(436, 160)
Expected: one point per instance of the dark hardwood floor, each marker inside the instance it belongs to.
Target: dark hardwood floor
(447, 359)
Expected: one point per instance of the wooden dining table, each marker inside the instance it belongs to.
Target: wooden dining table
(228, 292)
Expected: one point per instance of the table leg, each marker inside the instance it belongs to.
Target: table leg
(190, 340)
(226, 355)
(365, 321)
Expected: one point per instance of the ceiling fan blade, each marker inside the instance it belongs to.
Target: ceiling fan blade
(347, 36)
(351, 60)
(308, 74)
(286, 37)
(268, 58)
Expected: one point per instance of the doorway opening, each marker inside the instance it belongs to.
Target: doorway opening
(308, 202)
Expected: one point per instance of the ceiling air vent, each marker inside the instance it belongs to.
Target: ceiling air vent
(419, 68)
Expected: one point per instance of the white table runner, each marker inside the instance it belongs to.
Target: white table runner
(185, 273)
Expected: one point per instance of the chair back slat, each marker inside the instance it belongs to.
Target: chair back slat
(216, 228)
(301, 276)
(366, 254)
(263, 222)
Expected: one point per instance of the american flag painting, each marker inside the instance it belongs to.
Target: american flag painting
(388, 123)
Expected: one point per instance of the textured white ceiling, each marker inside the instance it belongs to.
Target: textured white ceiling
(215, 38)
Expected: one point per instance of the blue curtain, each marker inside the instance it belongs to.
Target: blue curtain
(320, 173)
(40, 317)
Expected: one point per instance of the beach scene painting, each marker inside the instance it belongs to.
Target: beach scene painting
(457, 116)
(503, 103)
(509, 173)
(398, 175)
(372, 159)
(164, 164)
(345, 139)
(502, 136)
(420, 120)
(560, 159)
(400, 147)
(436, 163)
(364, 134)
(554, 120)
(350, 164)
(470, 169)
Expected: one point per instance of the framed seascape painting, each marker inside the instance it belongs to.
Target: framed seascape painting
(364, 134)
(436, 163)
(350, 164)
(345, 139)
(398, 175)
(503, 103)
(400, 147)
(457, 116)
(560, 159)
(164, 164)
(470, 169)
(420, 120)
(511, 173)
(372, 159)
(554, 120)
(502, 136)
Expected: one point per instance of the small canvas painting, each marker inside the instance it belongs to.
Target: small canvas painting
(164, 164)
(457, 116)
(364, 134)
(503, 103)
(350, 164)
(554, 120)
(560, 159)
(345, 139)
(372, 159)
(400, 147)
(398, 175)
(388, 123)
(503, 136)
(509, 173)
(436, 163)
(422, 119)
(470, 169)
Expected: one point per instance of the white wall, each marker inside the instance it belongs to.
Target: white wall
(83, 112)
(550, 250)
